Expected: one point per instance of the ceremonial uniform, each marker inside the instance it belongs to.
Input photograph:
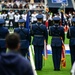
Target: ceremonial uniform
(24, 36)
(71, 36)
(39, 32)
(3, 33)
(57, 33)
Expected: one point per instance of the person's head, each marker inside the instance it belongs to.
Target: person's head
(40, 12)
(11, 11)
(16, 12)
(56, 20)
(39, 18)
(13, 41)
(24, 12)
(21, 22)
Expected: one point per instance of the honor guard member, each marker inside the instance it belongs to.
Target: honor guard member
(39, 32)
(71, 36)
(3, 32)
(58, 35)
(24, 36)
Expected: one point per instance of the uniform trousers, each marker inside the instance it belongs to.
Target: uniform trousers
(38, 57)
(72, 52)
(56, 55)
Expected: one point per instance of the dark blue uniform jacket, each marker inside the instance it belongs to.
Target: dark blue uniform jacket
(57, 32)
(24, 36)
(3, 33)
(39, 31)
(71, 35)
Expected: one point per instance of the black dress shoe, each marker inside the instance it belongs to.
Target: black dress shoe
(38, 69)
(56, 69)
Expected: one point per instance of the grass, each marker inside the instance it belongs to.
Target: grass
(48, 67)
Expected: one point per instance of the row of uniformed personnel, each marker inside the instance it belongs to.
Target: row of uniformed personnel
(39, 32)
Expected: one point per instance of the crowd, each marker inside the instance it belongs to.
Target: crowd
(19, 4)
(12, 16)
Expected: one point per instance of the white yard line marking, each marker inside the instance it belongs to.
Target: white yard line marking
(32, 61)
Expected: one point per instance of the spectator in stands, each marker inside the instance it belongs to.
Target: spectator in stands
(27, 0)
(34, 19)
(17, 2)
(20, 6)
(10, 4)
(40, 6)
(26, 6)
(12, 63)
(11, 18)
(44, 17)
(38, 0)
(73, 14)
(0, 6)
(4, 15)
(16, 18)
(15, 6)
(1, 16)
(32, 6)
(24, 16)
(4, 4)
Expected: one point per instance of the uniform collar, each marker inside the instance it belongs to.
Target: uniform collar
(21, 27)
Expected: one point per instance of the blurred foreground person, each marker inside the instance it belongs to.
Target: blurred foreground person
(12, 63)
(71, 36)
(58, 35)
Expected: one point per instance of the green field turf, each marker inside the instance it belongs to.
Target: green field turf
(48, 67)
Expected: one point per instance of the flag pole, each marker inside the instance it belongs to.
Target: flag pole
(30, 50)
(45, 46)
